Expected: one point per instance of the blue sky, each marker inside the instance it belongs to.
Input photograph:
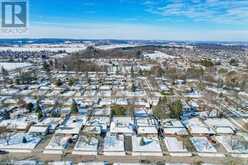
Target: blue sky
(139, 19)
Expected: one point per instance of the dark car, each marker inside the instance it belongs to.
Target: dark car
(3, 152)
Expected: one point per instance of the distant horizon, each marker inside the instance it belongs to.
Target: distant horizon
(109, 39)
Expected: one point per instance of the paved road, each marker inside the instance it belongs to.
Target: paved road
(121, 159)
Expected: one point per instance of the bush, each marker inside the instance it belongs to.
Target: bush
(71, 81)
(117, 110)
(234, 62)
(195, 72)
(207, 63)
(58, 82)
(222, 71)
(176, 109)
(40, 114)
(26, 77)
(160, 110)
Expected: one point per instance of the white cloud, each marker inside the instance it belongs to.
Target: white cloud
(220, 11)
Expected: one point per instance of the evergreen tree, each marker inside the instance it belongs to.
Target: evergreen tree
(133, 87)
(24, 140)
(140, 72)
(132, 72)
(38, 110)
(74, 107)
(40, 114)
(30, 107)
(142, 141)
(46, 66)
(4, 71)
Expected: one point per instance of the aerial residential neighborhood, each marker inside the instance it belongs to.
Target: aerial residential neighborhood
(123, 82)
(121, 104)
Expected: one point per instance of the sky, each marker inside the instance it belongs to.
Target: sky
(202, 20)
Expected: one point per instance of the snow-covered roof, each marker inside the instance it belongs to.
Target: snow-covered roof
(60, 163)
(141, 112)
(151, 144)
(16, 124)
(123, 125)
(196, 126)
(146, 125)
(114, 143)
(193, 94)
(25, 92)
(233, 144)
(173, 126)
(91, 163)
(72, 126)
(58, 142)
(51, 122)
(120, 101)
(202, 144)
(38, 129)
(16, 141)
(129, 164)
(102, 111)
(221, 125)
(174, 145)
(86, 143)
(69, 94)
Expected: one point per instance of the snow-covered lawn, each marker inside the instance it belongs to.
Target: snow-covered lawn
(68, 49)
(106, 47)
(12, 66)
(158, 55)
